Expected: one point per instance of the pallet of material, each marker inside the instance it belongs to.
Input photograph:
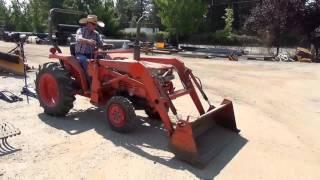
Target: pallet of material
(160, 51)
(194, 54)
(208, 55)
(169, 50)
(259, 57)
(156, 51)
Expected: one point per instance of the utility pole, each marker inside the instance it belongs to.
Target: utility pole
(141, 8)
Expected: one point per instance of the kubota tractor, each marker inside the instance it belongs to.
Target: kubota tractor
(123, 85)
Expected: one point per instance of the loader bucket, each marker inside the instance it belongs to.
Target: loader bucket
(199, 141)
(11, 63)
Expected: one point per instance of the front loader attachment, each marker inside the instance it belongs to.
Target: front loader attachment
(199, 141)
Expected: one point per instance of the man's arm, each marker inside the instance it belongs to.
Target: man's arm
(99, 40)
(82, 40)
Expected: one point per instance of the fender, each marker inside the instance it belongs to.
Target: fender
(74, 67)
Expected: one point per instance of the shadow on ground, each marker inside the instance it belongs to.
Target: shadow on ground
(6, 148)
(150, 135)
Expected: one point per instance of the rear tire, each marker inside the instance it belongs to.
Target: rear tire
(121, 114)
(55, 90)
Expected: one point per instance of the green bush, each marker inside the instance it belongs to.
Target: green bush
(246, 40)
(222, 37)
(228, 18)
(291, 40)
(198, 38)
(132, 36)
(162, 36)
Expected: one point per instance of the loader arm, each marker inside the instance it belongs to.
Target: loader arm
(185, 77)
(197, 142)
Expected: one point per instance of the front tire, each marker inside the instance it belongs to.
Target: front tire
(121, 114)
(55, 90)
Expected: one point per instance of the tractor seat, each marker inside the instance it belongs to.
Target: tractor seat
(73, 49)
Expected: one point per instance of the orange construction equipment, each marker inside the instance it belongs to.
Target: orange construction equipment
(125, 85)
(160, 45)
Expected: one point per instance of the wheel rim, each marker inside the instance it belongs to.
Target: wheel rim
(117, 115)
(49, 91)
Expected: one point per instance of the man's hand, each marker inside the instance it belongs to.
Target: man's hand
(91, 42)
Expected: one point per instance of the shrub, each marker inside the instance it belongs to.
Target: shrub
(246, 40)
(162, 36)
(132, 35)
(222, 37)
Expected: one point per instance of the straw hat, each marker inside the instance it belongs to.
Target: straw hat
(91, 19)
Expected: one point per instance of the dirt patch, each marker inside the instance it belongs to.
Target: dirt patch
(276, 107)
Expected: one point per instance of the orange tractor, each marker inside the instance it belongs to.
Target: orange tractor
(124, 85)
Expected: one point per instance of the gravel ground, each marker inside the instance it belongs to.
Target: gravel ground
(276, 107)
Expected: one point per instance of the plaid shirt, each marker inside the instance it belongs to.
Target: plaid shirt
(86, 48)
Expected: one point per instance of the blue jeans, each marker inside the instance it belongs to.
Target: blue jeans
(83, 59)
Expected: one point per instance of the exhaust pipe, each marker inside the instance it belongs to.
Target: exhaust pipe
(136, 54)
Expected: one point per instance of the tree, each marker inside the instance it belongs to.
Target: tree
(146, 7)
(3, 12)
(311, 17)
(104, 9)
(83, 5)
(228, 18)
(37, 16)
(125, 10)
(3, 8)
(19, 16)
(276, 18)
(216, 9)
(311, 24)
(130, 10)
(107, 14)
(181, 17)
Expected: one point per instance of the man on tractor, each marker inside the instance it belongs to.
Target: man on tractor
(87, 39)
(142, 83)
